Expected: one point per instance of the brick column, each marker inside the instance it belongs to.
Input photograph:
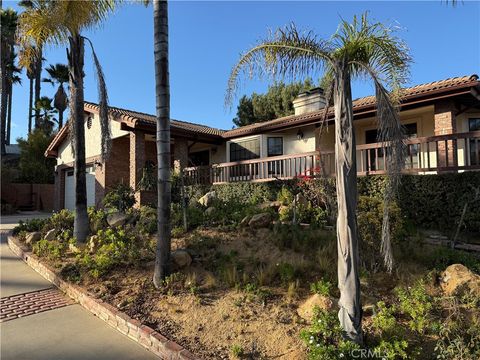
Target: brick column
(137, 159)
(59, 189)
(180, 154)
(445, 123)
(100, 183)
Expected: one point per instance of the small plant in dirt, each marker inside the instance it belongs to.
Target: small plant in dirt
(324, 338)
(417, 305)
(52, 250)
(121, 197)
(97, 219)
(237, 351)
(321, 287)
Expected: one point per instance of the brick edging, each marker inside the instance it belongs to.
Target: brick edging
(142, 334)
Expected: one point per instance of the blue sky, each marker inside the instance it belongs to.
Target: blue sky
(206, 39)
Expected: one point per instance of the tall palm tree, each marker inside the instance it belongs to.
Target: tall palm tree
(357, 50)
(47, 111)
(13, 78)
(162, 93)
(59, 75)
(8, 25)
(36, 68)
(62, 22)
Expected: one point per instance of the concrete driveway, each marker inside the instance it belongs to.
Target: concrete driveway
(39, 323)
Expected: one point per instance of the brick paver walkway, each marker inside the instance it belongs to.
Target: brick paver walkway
(21, 305)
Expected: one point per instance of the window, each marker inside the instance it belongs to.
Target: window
(199, 158)
(89, 122)
(245, 150)
(274, 146)
(474, 125)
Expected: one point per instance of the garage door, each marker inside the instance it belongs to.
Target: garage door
(70, 188)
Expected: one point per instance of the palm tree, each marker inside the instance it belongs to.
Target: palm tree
(13, 78)
(46, 111)
(162, 93)
(59, 22)
(59, 75)
(357, 50)
(8, 23)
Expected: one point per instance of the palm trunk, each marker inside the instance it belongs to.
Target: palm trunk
(3, 112)
(350, 313)
(75, 65)
(38, 79)
(30, 106)
(9, 112)
(60, 119)
(162, 92)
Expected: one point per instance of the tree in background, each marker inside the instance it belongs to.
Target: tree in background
(275, 103)
(13, 78)
(59, 75)
(62, 22)
(46, 111)
(34, 167)
(8, 22)
(357, 50)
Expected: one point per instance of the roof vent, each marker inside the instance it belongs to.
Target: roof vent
(309, 101)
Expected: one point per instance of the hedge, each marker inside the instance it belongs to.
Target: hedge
(428, 201)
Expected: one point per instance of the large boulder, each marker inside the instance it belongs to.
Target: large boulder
(260, 221)
(305, 310)
(33, 237)
(457, 279)
(181, 258)
(50, 235)
(207, 199)
(117, 219)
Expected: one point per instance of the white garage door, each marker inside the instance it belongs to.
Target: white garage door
(70, 188)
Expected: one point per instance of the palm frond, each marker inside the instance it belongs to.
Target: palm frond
(103, 105)
(287, 53)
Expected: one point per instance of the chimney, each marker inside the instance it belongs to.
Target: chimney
(309, 101)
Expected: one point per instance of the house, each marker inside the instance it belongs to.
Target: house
(441, 119)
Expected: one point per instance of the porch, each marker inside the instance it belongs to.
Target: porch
(425, 155)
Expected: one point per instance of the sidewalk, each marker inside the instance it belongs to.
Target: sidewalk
(38, 322)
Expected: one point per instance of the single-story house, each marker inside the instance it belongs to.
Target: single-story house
(441, 119)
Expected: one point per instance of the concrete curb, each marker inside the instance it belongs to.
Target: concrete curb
(142, 334)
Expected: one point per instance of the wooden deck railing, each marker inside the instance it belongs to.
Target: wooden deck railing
(433, 154)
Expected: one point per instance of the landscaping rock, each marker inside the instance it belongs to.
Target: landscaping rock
(33, 237)
(181, 258)
(270, 204)
(210, 211)
(207, 199)
(457, 279)
(245, 221)
(305, 310)
(93, 244)
(50, 235)
(117, 219)
(260, 221)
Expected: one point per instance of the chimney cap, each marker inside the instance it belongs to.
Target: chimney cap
(312, 91)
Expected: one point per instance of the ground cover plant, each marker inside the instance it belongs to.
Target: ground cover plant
(246, 291)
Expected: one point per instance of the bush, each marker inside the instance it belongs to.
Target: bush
(321, 287)
(97, 219)
(441, 257)
(121, 197)
(61, 221)
(147, 220)
(53, 250)
(29, 226)
(369, 225)
(459, 339)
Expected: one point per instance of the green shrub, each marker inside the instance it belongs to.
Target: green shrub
(442, 257)
(121, 197)
(321, 287)
(384, 320)
(459, 339)
(97, 219)
(147, 220)
(53, 250)
(369, 224)
(29, 226)
(285, 196)
(417, 305)
(62, 220)
(324, 338)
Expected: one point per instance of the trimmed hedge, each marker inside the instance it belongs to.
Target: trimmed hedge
(428, 201)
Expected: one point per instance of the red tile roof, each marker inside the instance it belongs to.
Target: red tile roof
(422, 92)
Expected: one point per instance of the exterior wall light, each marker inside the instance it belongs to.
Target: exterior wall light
(300, 134)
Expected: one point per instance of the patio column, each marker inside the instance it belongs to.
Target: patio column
(137, 160)
(445, 124)
(180, 154)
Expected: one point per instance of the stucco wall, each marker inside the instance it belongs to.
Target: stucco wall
(92, 140)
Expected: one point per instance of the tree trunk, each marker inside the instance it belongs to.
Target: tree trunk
(9, 112)
(60, 103)
(162, 93)
(38, 80)
(350, 313)
(30, 105)
(3, 97)
(75, 67)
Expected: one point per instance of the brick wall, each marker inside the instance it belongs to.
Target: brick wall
(444, 124)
